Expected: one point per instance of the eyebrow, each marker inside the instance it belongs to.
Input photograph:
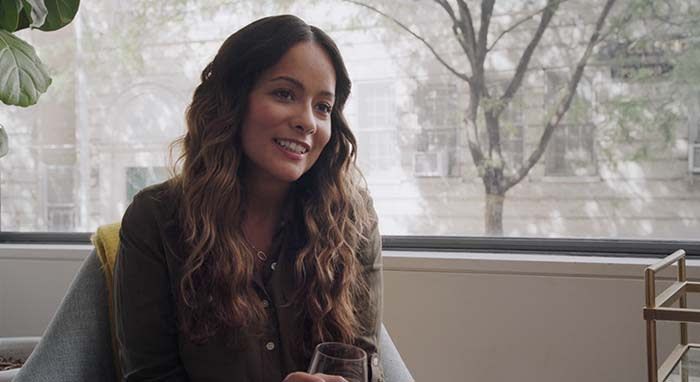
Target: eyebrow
(298, 83)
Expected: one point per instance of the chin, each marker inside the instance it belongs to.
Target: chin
(289, 176)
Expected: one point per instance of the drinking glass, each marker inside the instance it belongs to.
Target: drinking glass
(335, 358)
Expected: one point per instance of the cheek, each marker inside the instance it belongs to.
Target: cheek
(263, 113)
(258, 114)
(323, 136)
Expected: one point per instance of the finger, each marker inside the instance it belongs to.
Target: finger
(331, 378)
(303, 377)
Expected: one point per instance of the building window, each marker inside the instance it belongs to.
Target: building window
(571, 150)
(694, 149)
(138, 178)
(643, 58)
(376, 132)
(435, 153)
(436, 143)
(60, 199)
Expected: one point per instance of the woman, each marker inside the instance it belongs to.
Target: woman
(266, 243)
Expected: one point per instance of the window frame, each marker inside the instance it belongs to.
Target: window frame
(613, 248)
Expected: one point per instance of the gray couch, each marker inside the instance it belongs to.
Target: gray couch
(77, 346)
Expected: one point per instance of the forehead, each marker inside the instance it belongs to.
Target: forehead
(308, 63)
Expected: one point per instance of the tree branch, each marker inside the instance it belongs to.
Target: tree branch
(520, 70)
(414, 34)
(565, 101)
(486, 12)
(468, 30)
(517, 24)
(458, 26)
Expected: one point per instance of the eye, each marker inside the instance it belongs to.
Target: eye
(284, 94)
(325, 108)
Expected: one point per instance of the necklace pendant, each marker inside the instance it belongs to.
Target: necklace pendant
(261, 255)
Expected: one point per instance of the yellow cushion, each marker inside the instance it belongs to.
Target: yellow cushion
(106, 242)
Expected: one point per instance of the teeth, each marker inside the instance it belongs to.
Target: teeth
(292, 146)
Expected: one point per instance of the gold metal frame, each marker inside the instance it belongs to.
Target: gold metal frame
(658, 308)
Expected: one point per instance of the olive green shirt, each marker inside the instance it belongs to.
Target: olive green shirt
(146, 285)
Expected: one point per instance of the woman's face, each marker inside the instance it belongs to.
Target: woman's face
(288, 121)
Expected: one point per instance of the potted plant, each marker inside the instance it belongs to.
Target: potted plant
(13, 352)
(24, 77)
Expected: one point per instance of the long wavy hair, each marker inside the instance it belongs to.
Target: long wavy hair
(216, 289)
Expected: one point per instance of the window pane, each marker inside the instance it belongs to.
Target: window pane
(138, 178)
(610, 151)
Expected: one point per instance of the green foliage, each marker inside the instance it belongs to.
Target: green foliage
(60, 13)
(645, 126)
(657, 55)
(9, 14)
(3, 142)
(37, 12)
(24, 77)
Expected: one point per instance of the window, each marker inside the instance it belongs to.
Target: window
(695, 158)
(102, 130)
(60, 198)
(435, 153)
(138, 178)
(376, 131)
(571, 151)
(694, 139)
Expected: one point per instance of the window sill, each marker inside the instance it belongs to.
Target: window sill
(526, 264)
(437, 262)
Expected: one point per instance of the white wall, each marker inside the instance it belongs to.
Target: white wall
(454, 317)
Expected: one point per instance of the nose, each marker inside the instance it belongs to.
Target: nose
(304, 120)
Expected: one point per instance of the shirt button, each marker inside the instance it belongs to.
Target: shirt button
(375, 360)
(266, 303)
(270, 346)
(273, 265)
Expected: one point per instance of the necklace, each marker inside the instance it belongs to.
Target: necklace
(260, 254)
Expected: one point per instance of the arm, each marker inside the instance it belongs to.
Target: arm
(371, 260)
(145, 318)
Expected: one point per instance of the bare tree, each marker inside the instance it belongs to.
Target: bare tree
(485, 107)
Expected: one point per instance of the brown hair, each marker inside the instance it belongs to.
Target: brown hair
(216, 287)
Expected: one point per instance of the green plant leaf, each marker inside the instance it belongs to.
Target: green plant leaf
(23, 77)
(36, 9)
(4, 147)
(9, 14)
(61, 13)
(24, 20)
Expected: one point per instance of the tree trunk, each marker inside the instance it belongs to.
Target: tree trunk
(493, 213)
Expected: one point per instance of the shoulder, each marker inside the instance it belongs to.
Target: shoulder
(370, 247)
(145, 227)
(153, 203)
(152, 209)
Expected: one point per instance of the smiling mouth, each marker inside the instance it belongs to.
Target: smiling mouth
(291, 146)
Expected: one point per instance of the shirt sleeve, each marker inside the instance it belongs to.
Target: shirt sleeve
(145, 319)
(371, 312)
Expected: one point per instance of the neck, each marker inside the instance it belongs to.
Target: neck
(265, 199)
(265, 202)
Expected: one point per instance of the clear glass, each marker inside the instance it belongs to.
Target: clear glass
(623, 162)
(335, 358)
(688, 368)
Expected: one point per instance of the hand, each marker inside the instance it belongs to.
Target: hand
(306, 377)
